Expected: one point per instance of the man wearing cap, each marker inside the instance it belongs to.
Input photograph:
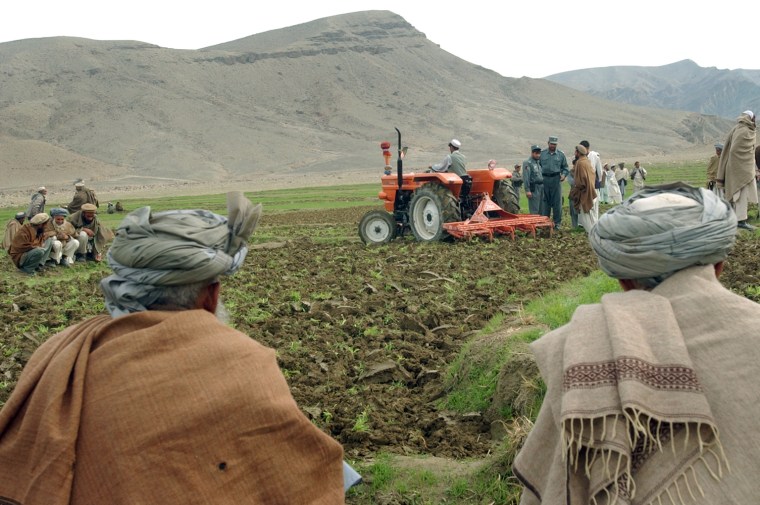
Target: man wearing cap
(554, 170)
(62, 232)
(517, 179)
(533, 179)
(11, 228)
(736, 167)
(90, 233)
(712, 169)
(159, 401)
(455, 162)
(37, 204)
(81, 196)
(651, 395)
(30, 248)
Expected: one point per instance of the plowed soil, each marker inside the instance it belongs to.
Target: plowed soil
(364, 335)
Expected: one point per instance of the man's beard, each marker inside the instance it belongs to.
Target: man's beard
(221, 313)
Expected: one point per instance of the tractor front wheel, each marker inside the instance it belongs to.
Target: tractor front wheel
(505, 197)
(377, 227)
(432, 205)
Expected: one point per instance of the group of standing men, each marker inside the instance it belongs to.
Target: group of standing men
(545, 170)
(59, 238)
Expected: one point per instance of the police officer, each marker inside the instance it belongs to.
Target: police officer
(533, 179)
(554, 169)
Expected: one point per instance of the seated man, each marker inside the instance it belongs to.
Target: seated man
(30, 248)
(160, 401)
(13, 225)
(652, 394)
(62, 233)
(455, 162)
(92, 235)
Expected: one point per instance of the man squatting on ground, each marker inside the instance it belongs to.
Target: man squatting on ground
(30, 247)
(62, 232)
(160, 401)
(90, 233)
(652, 394)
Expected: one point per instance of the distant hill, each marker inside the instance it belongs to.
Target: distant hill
(302, 105)
(680, 86)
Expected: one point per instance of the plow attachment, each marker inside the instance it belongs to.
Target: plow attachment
(490, 219)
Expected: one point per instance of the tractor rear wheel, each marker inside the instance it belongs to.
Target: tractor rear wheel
(505, 197)
(377, 227)
(432, 205)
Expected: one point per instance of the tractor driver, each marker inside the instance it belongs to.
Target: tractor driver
(455, 162)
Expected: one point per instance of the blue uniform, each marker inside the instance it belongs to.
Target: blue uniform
(553, 166)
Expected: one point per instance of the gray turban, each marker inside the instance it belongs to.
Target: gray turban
(175, 248)
(59, 212)
(661, 230)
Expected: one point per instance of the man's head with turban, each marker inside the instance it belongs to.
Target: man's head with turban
(661, 230)
(155, 254)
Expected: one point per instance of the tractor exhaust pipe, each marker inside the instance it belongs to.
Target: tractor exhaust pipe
(399, 162)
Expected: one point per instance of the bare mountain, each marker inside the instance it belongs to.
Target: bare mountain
(304, 105)
(681, 86)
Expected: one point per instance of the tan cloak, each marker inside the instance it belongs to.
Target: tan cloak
(102, 233)
(650, 397)
(11, 228)
(737, 161)
(160, 408)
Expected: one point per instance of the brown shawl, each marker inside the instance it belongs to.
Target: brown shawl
(637, 388)
(102, 233)
(164, 408)
(25, 239)
(583, 193)
(737, 161)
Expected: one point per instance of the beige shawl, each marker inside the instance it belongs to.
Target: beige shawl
(103, 234)
(161, 408)
(11, 228)
(737, 161)
(627, 417)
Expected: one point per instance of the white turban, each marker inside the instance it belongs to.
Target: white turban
(174, 248)
(661, 230)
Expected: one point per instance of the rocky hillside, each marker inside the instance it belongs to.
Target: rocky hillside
(681, 86)
(301, 105)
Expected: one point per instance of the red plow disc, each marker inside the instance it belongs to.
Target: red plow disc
(490, 219)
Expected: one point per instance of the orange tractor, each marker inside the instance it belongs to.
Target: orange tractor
(433, 206)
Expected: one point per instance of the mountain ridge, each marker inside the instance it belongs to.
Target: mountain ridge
(304, 105)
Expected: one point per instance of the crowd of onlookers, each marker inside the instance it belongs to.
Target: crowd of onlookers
(36, 240)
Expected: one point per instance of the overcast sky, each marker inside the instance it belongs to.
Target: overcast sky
(513, 37)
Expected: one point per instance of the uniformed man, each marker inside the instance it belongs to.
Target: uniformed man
(517, 179)
(533, 179)
(555, 170)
